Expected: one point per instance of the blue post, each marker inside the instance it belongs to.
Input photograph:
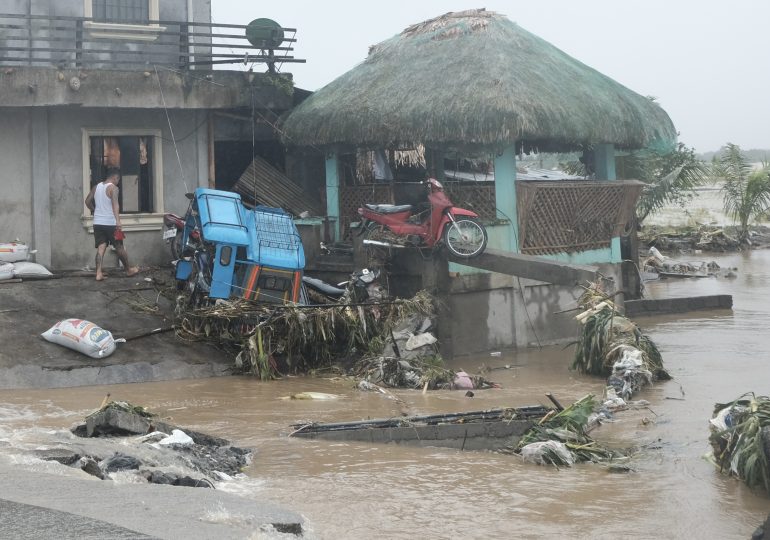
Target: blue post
(604, 160)
(604, 163)
(333, 193)
(505, 194)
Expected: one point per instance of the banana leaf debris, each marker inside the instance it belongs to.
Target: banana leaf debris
(389, 343)
(612, 346)
(740, 439)
(561, 438)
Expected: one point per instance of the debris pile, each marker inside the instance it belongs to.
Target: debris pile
(561, 438)
(688, 239)
(668, 267)
(410, 358)
(267, 339)
(740, 439)
(612, 346)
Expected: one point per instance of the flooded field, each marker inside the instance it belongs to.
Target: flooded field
(354, 490)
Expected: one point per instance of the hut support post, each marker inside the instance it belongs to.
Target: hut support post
(604, 158)
(604, 163)
(333, 195)
(505, 194)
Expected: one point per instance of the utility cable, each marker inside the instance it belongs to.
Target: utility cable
(171, 130)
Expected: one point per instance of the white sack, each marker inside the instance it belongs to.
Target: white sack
(6, 271)
(13, 251)
(29, 269)
(82, 336)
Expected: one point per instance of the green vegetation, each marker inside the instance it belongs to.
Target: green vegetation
(746, 192)
(669, 177)
(743, 447)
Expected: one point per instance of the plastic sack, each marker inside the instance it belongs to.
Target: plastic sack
(548, 453)
(29, 269)
(13, 251)
(82, 336)
(6, 271)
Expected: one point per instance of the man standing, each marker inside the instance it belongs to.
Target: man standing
(103, 202)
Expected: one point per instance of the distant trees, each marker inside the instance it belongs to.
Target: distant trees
(745, 191)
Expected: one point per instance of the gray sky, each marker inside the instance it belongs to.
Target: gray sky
(705, 61)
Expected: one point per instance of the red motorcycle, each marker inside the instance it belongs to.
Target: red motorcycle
(457, 228)
(173, 233)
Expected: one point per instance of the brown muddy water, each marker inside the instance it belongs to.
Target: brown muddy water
(354, 490)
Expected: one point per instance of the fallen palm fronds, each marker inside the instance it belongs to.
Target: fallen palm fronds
(300, 338)
(740, 439)
(560, 438)
(610, 345)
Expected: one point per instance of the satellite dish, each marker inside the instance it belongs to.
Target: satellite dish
(264, 33)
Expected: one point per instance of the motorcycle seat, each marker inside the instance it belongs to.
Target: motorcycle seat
(389, 208)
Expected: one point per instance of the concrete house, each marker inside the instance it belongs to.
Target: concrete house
(90, 84)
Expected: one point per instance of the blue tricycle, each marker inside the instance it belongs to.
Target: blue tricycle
(239, 252)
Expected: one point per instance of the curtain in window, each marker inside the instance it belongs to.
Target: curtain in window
(121, 10)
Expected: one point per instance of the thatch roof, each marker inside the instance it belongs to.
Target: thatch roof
(475, 78)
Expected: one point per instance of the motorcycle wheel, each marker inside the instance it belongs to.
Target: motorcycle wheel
(198, 297)
(176, 247)
(465, 238)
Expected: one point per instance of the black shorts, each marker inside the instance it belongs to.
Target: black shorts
(105, 234)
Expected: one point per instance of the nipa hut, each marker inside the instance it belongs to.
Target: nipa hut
(475, 81)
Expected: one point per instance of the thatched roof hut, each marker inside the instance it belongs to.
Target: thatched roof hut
(475, 78)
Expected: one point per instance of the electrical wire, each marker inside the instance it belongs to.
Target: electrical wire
(171, 130)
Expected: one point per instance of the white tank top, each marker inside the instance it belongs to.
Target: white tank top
(103, 214)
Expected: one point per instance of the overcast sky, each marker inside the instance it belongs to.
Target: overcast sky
(705, 61)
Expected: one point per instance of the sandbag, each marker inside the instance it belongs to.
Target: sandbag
(82, 336)
(6, 271)
(13, 251)
(26, 269)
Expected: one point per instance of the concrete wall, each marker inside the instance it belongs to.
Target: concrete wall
(169, 11)
(72, 244)
(16, 154)
(172, 10)
(492, 311)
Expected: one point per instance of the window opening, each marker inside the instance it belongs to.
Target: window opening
(133, 156)
(122, 11)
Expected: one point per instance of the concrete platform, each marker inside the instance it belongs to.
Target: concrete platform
(660, 306)
(125, 306)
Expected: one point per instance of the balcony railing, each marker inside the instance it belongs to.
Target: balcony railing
(79, 42)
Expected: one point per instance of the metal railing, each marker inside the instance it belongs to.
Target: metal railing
(80, 42)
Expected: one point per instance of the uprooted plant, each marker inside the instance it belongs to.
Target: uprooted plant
(610, 345)
(560, 439)
(740, 439)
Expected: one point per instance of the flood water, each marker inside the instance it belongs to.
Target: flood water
(355, 490)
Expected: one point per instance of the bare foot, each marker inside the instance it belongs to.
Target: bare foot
(134, 270)
(100, 277)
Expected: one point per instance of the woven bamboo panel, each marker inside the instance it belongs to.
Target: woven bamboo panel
(354, 197)
(476, 196)
(566, 217)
